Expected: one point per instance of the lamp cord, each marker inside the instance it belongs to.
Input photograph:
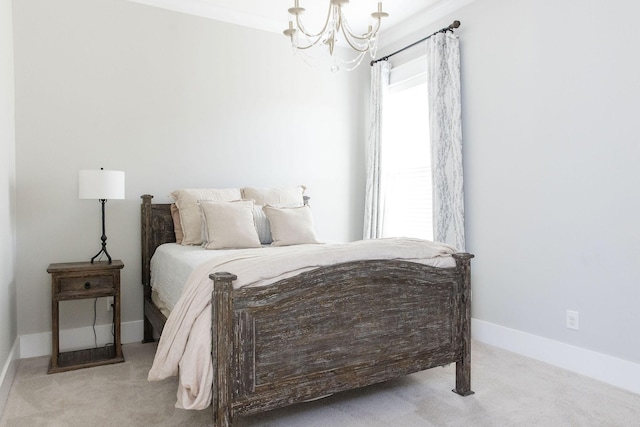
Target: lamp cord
(113, 324)
(95, 337)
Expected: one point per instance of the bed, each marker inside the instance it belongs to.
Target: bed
(330, 329)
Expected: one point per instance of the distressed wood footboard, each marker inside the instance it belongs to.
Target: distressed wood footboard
(336, 328)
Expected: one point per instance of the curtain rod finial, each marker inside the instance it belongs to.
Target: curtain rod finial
(454, 24)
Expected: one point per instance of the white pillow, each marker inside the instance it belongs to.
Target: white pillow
(280, 197)
(230, 224)
(187, 203)
(291, 226)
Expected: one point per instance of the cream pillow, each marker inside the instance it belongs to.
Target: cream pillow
(229, 225)
(177, 225)
(187, 202)
(279, 197)
(291, 226)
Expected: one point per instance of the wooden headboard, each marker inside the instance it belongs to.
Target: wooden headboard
(157, 228)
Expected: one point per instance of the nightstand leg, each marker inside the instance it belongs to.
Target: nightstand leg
(116, 313)
(55, 333)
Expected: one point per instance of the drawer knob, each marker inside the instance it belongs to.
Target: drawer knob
(87, 285)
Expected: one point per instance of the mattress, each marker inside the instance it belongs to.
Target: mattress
(172, 264)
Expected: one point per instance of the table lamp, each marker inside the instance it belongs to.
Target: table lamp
(102, 185)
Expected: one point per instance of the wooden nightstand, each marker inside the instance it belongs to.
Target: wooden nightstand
(82, 280)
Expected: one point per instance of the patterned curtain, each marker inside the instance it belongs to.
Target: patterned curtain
(374, 197)
(443, 74)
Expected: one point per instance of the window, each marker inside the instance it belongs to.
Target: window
(406, 156)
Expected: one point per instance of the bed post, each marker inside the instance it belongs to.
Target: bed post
(463, 367)
(146, 259)
(222, 348)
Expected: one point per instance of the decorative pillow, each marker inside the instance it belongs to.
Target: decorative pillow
(280, 197)
(262, 225)
(291, 226)
(230, 224)
(187, 202)
(177, 225)
(276, 197)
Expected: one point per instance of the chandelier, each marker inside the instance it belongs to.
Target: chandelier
(336, 27)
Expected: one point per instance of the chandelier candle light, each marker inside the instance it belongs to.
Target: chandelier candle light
(335, 24)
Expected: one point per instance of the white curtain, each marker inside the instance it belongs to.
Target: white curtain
(374, 197)
(443, 79)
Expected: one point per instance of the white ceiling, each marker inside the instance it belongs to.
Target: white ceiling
(272, 15)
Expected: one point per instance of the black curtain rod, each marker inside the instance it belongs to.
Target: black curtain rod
(454, 25)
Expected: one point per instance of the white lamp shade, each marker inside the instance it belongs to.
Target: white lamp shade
(100, 184)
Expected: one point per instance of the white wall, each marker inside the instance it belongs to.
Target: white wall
(8, 315)
(550, 130)
(175, 101)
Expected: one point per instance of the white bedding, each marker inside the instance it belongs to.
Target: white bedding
(185, 343)
(171, 266)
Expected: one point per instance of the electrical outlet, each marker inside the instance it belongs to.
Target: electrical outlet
(109, 303)
(573, 321)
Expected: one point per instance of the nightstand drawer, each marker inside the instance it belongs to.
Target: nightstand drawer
(95, 283)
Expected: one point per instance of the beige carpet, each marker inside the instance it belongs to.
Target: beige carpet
(511, 390)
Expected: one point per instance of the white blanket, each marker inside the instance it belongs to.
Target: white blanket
(185, 344)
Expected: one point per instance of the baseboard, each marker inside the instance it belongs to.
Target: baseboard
(611, 370)
(35, 345)
(8, 373)
(608, 369)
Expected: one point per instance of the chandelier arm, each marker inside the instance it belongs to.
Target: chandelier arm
(311, 44)
(347, 30)
(350, 42)
(363, 38)
(312, 39)
(319, 35)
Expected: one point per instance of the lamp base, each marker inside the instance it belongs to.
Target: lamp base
(103, 237)
(103, 250)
